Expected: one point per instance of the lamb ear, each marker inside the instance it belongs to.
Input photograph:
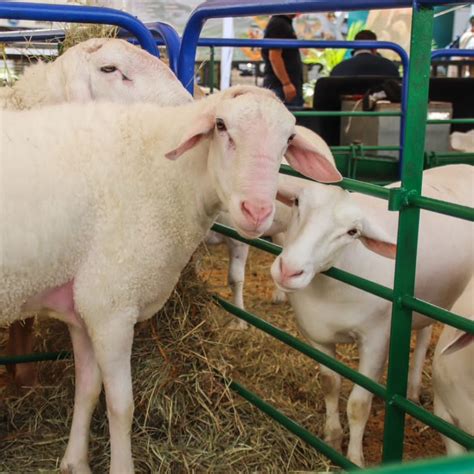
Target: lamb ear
(377, 240)
(198, 132)
(461, 339)
(304, 157)
(287, 193)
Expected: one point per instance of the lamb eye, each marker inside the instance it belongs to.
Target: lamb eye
(296, 202)
(291, 138)
(108, 69)
(352, 232)
(220, 125)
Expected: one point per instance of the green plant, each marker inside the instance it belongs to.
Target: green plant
(329, 57)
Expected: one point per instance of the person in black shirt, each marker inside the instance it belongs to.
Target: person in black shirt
(366, 62)
(283, 67)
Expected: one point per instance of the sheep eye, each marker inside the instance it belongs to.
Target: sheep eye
(352, 232)
(220, 125)
(291, 138)
(296, 202)
(108, 69)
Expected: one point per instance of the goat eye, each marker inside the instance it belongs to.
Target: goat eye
(296, 202)
(291, 138)
(220, 125)
(108, 69)
(352, 232)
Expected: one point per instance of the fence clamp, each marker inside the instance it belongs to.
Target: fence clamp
(399, 198)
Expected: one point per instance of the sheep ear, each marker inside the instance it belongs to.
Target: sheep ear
(199, 131)
(287, 193)
(377, 240)
(461, 339)
(75, 75)
(304, 157)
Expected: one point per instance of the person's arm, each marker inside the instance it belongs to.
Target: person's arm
(278, 65)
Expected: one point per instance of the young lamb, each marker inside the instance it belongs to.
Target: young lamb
(238, 251)
(97, 225)
(453, 379)
(97, 69)
(330, 227)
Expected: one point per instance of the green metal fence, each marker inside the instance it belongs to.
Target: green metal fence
(407, 200)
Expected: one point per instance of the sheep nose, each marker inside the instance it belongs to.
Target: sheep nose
(287, 272)
(257, 213)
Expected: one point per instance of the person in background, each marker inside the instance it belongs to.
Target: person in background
(283, 67)
(366, 62)
(467, 42)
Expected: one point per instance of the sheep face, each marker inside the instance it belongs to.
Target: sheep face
(324, 222)
(114, 70)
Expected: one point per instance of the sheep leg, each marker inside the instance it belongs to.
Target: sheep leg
(331, 386)
(238, 253)
(112, 340)
(423, 339)
(278, 296)
(21, 342)
(88, 385)
(372, 356)
(452, 448)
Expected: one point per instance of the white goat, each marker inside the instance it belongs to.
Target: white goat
(330, 227)
(453, 379)
(97, 225)
(97, 69)
(238, 251)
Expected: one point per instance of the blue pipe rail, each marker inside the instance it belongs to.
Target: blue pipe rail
(240, 8)
(441, 53)
(80, 14)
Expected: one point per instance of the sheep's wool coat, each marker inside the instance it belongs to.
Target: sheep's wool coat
(83, 198)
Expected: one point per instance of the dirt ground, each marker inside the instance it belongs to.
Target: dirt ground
(289, 380)
(420, 440)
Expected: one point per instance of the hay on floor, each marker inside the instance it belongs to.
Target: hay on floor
(186, 419)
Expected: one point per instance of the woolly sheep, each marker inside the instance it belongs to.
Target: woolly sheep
(97, 69)
(453, 377)
(330, 227)
(238, 251)
(97, 225)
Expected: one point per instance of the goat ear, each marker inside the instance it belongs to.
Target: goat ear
(287, 193)
(306, 158)
(377, 240)
(198, 132)
(460, 340)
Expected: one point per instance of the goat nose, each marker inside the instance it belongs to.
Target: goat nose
(257, 213)
(287, 273)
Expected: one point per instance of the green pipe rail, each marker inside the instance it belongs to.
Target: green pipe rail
(408, 201)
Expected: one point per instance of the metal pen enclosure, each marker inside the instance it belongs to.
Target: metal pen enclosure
(407, 200)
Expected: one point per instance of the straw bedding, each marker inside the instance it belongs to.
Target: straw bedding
(186, 418)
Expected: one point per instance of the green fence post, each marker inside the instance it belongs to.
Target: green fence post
(405, 266)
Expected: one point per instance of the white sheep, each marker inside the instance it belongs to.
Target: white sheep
(330, 227)
(238, 251)
(97, 69)
(97, 225)
(463, 141)
(453, 378)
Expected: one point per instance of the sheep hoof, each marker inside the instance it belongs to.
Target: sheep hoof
(75, 468)
(238, 325)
